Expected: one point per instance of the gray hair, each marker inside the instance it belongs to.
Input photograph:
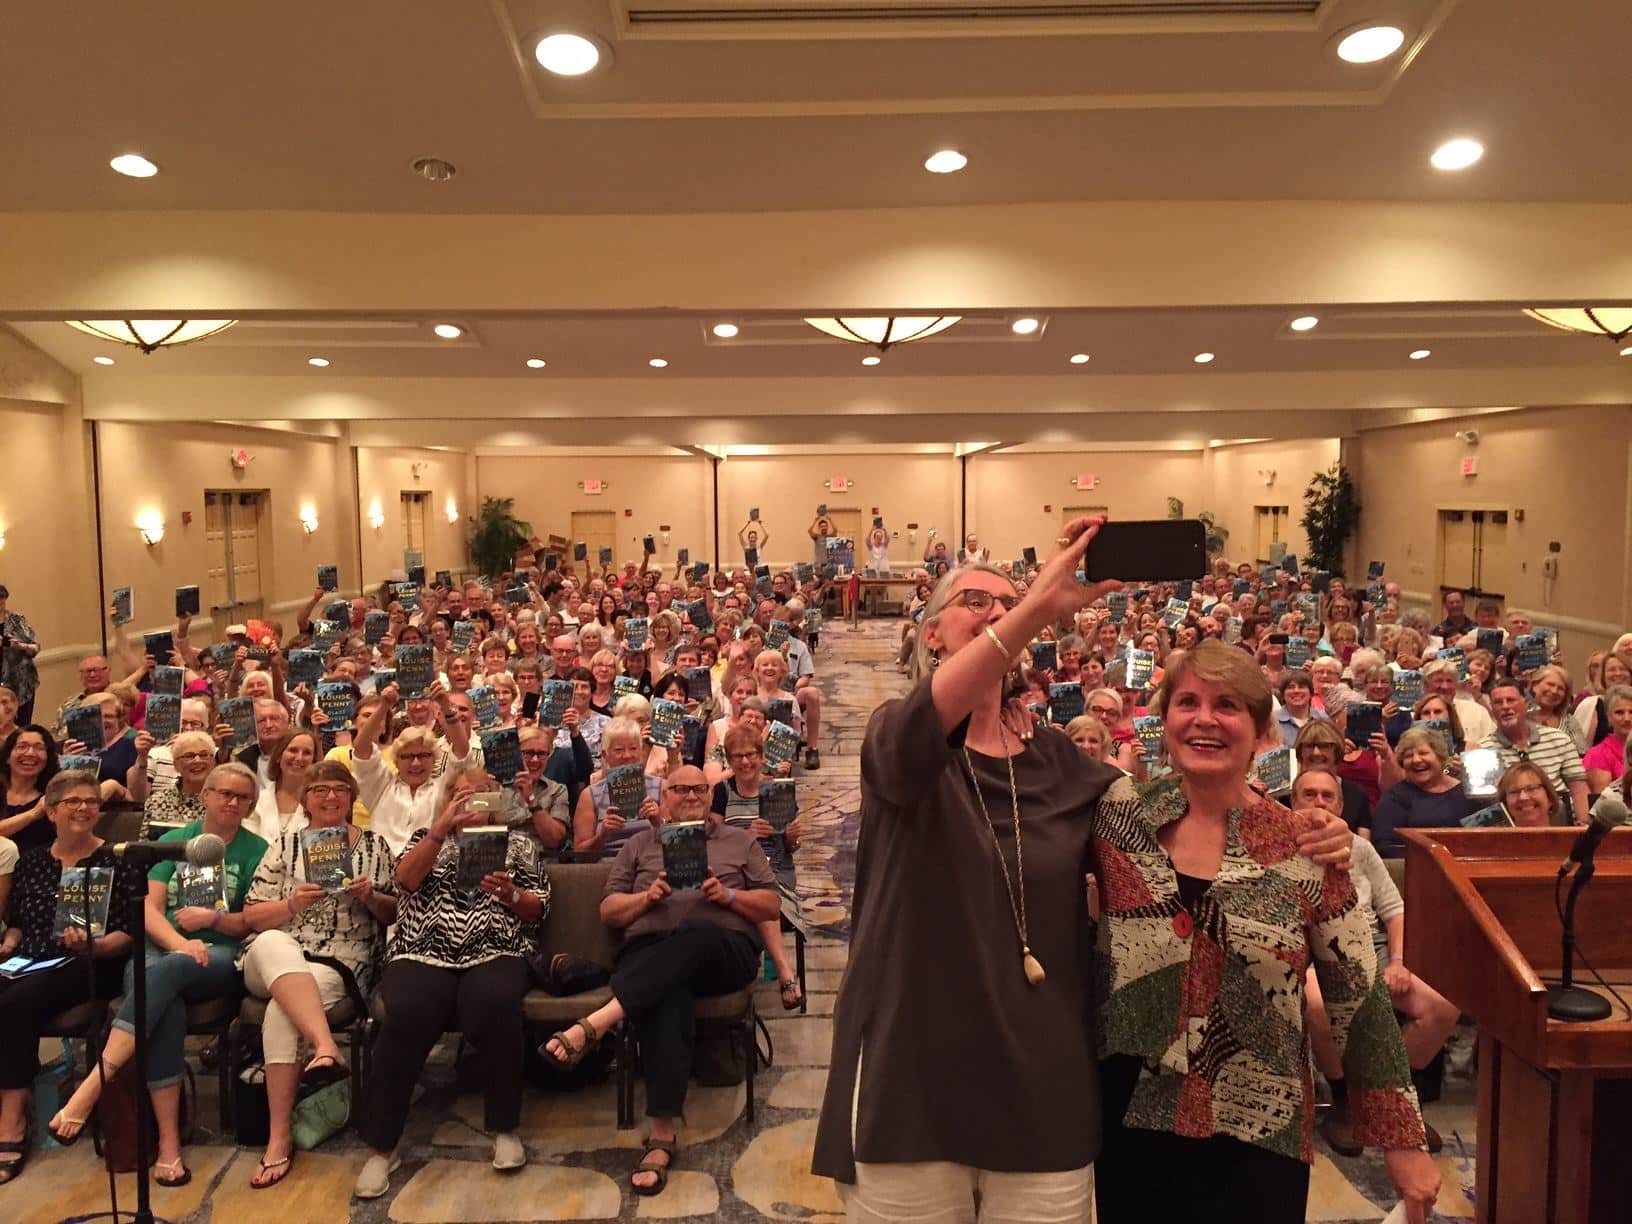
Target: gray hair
(67, 780)
(191, 739)
(233, 769)
(621, 727)
(922, 656)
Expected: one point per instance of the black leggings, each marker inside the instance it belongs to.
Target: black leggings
(1143, 1176)
(27, 1005)
(421, 1003)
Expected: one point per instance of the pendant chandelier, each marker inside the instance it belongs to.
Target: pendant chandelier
(151, 334)
(1612, 322)
(883, 331)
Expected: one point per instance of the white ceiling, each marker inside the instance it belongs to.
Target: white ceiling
(309, 104)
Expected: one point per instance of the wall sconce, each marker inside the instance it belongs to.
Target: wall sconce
(418, 470)
(2, 537)
(151, 524)
(453, 511)
(308, 519)
(376, 514)
(1268, 475)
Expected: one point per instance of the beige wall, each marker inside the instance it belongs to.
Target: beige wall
(1008, 493)
(654, 490)
(1565, 468)
(383, 476)
(1236, 488)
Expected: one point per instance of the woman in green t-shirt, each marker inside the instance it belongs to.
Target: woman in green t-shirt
(194, 923)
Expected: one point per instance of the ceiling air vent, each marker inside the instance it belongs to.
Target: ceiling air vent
(901, 15)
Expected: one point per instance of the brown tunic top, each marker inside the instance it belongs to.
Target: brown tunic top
(734, 857)
(960, 1059)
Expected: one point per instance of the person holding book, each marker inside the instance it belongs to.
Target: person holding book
(715, 764)
(41, 926)
(678, 944)
(1427, 797)
(740, 801)
(1529, 798)
(194, 920)
(193, 755)
(472, 901)
(94, 677)
(325, 891)
(278, 808)
(403, 801)
(546, 799)
(754, 537)
(28, 762)
(603, 817)
(1518, 738)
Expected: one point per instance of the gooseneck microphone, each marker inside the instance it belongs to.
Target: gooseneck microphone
(205, 850)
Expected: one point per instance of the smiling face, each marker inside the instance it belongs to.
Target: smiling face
(1527, 798)
(296, 759)
(959, 623)
(1317, 792)
(76, 812)
(1421, 764)
(1209, 731)
(415, 760)
(28, 757)
(621, 750)
(1550, 691)
(1510, 708)
(1296, 697)
(94, 674)
(327, 801)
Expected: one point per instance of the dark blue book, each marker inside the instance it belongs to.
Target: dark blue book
(1376, 595)
(696, 611)
(328, 577)
(1320, 581)
(83, 897)
(780, 709)
(605, 554)
(1489, 640)
(84, 723)
(162, 646)
(1183, 589)
(483, 850)
(376, 624)
(1045, 656)
(1407, 688)
(580, 551)
(763, 587)
(121, 606)
(416, 670)
(1149, 729)
(1532, 651)
(1365, 721)
(626, 790)
(1065, 702)
(1298, 651)
(636, 632)
(648, 544)
(200, 886)
(416, 576)
(1290, 564)
(699, 571)
(1141, 667)
(1273, 769)
(699, 683)
(693, 740)
(1029, 555)
(517, 595)
(163, 716)
(444, 579)
(239, 714)
(73, 760)
(683, 558)
(776, 635)
(1116, 603)
(169, 680)
(339, 702)
(327, 634)
(338, 610)
(804, 572)
(625, 685)
(186, 601)
(781, 744)
(685, 853)
(551, 561)
(1494, 816)
(383, 677)
(305, 666)
(1240, 587)
(556, 701)
(484, 704)
(501, 753)
(666, 720)
(326, 853)
(1458, 656)
(1374, 571)
(463, 635)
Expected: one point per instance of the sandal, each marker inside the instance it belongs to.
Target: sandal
(263, 1167)
(792, 1004)
(171, 1183)
(573, 1056)
(323, 1070)
(11, 1170)
(645, 1166)
(77, 1123)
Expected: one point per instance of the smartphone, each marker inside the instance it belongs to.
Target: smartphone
(529, 705)
(1160, 550)
(486, 801)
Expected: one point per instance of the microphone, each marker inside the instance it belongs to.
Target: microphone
(205, 850)
(1607, 813)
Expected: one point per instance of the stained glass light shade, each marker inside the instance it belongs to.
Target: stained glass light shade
(883, 331)
(1613, 322)
(151, 334)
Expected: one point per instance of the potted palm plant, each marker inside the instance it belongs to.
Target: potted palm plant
(498, 536)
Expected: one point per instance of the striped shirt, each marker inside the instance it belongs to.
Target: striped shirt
(1549, 750)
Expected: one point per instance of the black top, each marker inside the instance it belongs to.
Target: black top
(33, 911)
(1191, 889)
(36, 833)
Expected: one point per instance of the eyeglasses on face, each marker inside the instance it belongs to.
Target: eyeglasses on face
(978, 600)
(752, 754)
(1534, 788)
(78, 802)
(535, 754)
(328, 790)
(201, 755)
(414, 756)
(687, 790)
(232, 796)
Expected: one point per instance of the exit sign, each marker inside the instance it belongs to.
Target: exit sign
(1470, 465)
(1087, 480)
(592, 486)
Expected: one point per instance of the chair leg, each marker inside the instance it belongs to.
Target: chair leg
(752, 1052)
(799, 968)
(626, 1078)
(225, 1074)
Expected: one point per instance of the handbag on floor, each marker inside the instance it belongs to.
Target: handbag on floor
(320, 1114)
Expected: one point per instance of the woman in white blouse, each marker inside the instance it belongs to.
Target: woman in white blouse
(405, 801)
(277, 810)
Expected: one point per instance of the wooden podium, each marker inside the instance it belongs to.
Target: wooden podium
(1555, 1098)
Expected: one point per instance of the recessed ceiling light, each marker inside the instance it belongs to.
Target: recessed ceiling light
(871, 361)
(134, 165)
(109, 360)
(725, 330)
(946, 161)
(1369, 44)
(1202, 358)
(433, 169)
(1419, 354)
(1024, 327)
(448, 331)
(535, 363)
(1457, 154)
(567, 55)
(658, 363)
(321, 363)
(1079, 358)
(1304, 323)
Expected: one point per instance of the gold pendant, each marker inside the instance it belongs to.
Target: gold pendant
(1033, 968)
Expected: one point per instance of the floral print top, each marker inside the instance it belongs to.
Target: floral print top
(1211, 1000)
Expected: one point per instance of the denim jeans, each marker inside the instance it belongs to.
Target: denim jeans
(174, 980)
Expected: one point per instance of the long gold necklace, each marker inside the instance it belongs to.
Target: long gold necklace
(1033, 968)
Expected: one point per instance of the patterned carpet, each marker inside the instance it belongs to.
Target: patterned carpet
(579, 1161)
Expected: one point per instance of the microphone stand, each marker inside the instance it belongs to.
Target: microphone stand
(138, 996)
(1567, 1001)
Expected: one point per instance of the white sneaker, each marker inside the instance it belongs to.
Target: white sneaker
(508, 1152)
(375, 1178)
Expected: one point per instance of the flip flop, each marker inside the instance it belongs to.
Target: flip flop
(324, 1070)
(78, 1124)
(662, 1171)
(262, 1166)
(171, 1183)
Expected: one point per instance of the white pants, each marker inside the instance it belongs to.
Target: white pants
(943, 1193)
(273, 954)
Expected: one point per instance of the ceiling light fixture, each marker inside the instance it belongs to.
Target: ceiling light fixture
(1457, 154)
(1024, 327)
(1304, 323)
(433, 169)
(134, 165)
(1079, 358)
(321, 363)
(882, 332)
(151, 334)
(945, 161)
(1627, 351)
(1203, 358)
(658, 363)
(536, 363)
(103, 360)
(1613, 322)
(725, 331)
(1419, 354)
(568, 55)
(1368, 44)
(448, 331)
(871, 361)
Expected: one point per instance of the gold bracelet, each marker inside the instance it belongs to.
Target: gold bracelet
(998, 642)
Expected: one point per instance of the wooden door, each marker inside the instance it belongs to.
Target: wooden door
(596, 529)
(1271, 522)
(414, 505)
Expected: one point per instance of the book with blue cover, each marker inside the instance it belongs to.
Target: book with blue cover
(1489, 640)
(1550, 633)
(699, 571)
(699, 683)
(1458, 656)
(444, 579)
(580, 551)
(1065, 701)
(122, 614)
(200, 886)
(483, 850)
(73, 760)
(1273, 769)
(162, 646)
(605, 555)
(1240, 587)
(1365, 719)
(666, 719)
(169, 680)
(776, 635)
(239, 714)
(1532, 651)
(518, 595)
(762, 586)
(780, 709)
(554, 703)
(636, 632)
(501, 753)
(484, 704)
(1407, 688)
(696, 611)
(416, 576)
(416, 669)
(84, 723)
(376, 625)
(1374, 571)
(163, 717)
(326, 854)
(626, 789)
(83, 897)
(781, 745)
(338, 701)
(187, 601)
(328, 577)
(1045, 656)
(383, 678)
(693, 740)
(1141, 667)
(1174, 613)
(683, 558)
(305, 666)
(339, 611)
(1298, 651)
(1309, 606)
(463, 635)
(327, 634)
(685, 853)
(1116, 603)
(1493, 816)
(623, 686)
(804, 572)
(1149, 729)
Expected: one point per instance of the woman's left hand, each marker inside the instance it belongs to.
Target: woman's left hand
(1326, 839)
(761, 828)
(73, 938)
(794, 833)
(361, 889)
(499, 885)
(1416, 1177)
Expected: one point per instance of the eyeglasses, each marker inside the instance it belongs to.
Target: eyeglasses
(232, 796)
(697, 791)
(979, 601)
(414, 756)
(195, 756)
(744, 756)
(1105, 710)
(535, 754)
(1535, 788)
(77, 803)
(328, 789)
